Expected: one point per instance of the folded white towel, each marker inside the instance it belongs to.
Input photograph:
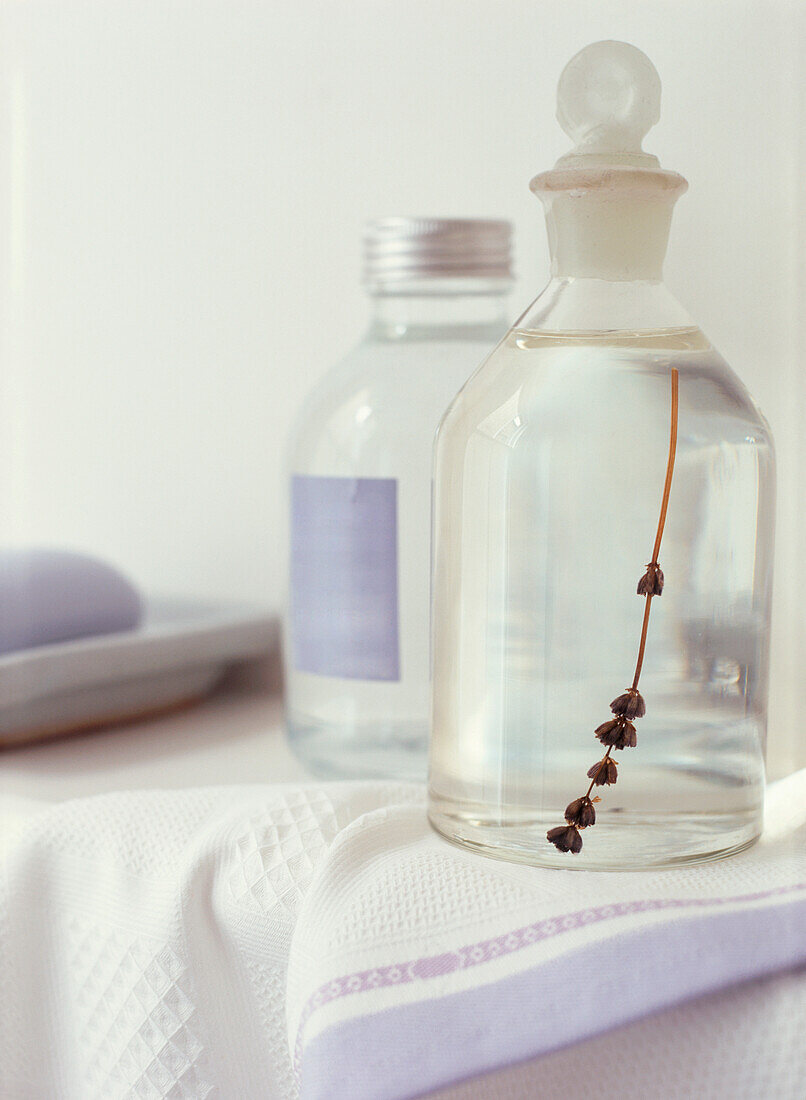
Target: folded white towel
(178, 944)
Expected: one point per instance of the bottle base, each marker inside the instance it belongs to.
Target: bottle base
(634, 842)
(374, 751)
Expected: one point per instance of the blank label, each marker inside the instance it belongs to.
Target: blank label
(344, 613)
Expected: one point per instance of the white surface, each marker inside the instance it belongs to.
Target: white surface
(144, 938)
(183, 186)
(234, 737)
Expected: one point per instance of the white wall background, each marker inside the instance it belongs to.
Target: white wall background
(183, 186)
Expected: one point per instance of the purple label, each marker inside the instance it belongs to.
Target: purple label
(344, 577)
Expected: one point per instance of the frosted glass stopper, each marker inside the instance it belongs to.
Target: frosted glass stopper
(608, 98)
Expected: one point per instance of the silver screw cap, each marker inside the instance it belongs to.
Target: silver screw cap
(399, 250)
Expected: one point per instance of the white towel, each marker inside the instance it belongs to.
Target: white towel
(249, 942)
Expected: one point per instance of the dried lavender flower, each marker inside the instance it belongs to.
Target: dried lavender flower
(618, 733)
(566, 838)
(629, 705)
(651, 584)
(580, 812)
(605, 773)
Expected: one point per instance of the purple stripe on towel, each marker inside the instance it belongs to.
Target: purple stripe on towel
(404, 1051)
(505, 944)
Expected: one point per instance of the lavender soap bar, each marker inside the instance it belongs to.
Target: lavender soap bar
(50, 596)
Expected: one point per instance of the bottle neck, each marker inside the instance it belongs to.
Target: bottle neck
(613, 236)
(441, 308)
(608, 220)
(570, 304)
(608, 229)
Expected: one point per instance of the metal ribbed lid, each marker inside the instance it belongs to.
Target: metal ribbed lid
(398, 250)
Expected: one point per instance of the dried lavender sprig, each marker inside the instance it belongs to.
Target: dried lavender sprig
(619, 732)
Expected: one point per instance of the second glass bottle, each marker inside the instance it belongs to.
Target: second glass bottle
(357, 639)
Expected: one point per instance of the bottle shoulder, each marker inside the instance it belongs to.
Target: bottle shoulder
(387, 365)
(561, 383)
(381, 397)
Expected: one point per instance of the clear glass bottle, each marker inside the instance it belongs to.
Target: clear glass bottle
(357, 638)
(550, 472)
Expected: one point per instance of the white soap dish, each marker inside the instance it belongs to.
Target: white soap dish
(178, 654)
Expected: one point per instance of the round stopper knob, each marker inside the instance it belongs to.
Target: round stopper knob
(608, 97)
